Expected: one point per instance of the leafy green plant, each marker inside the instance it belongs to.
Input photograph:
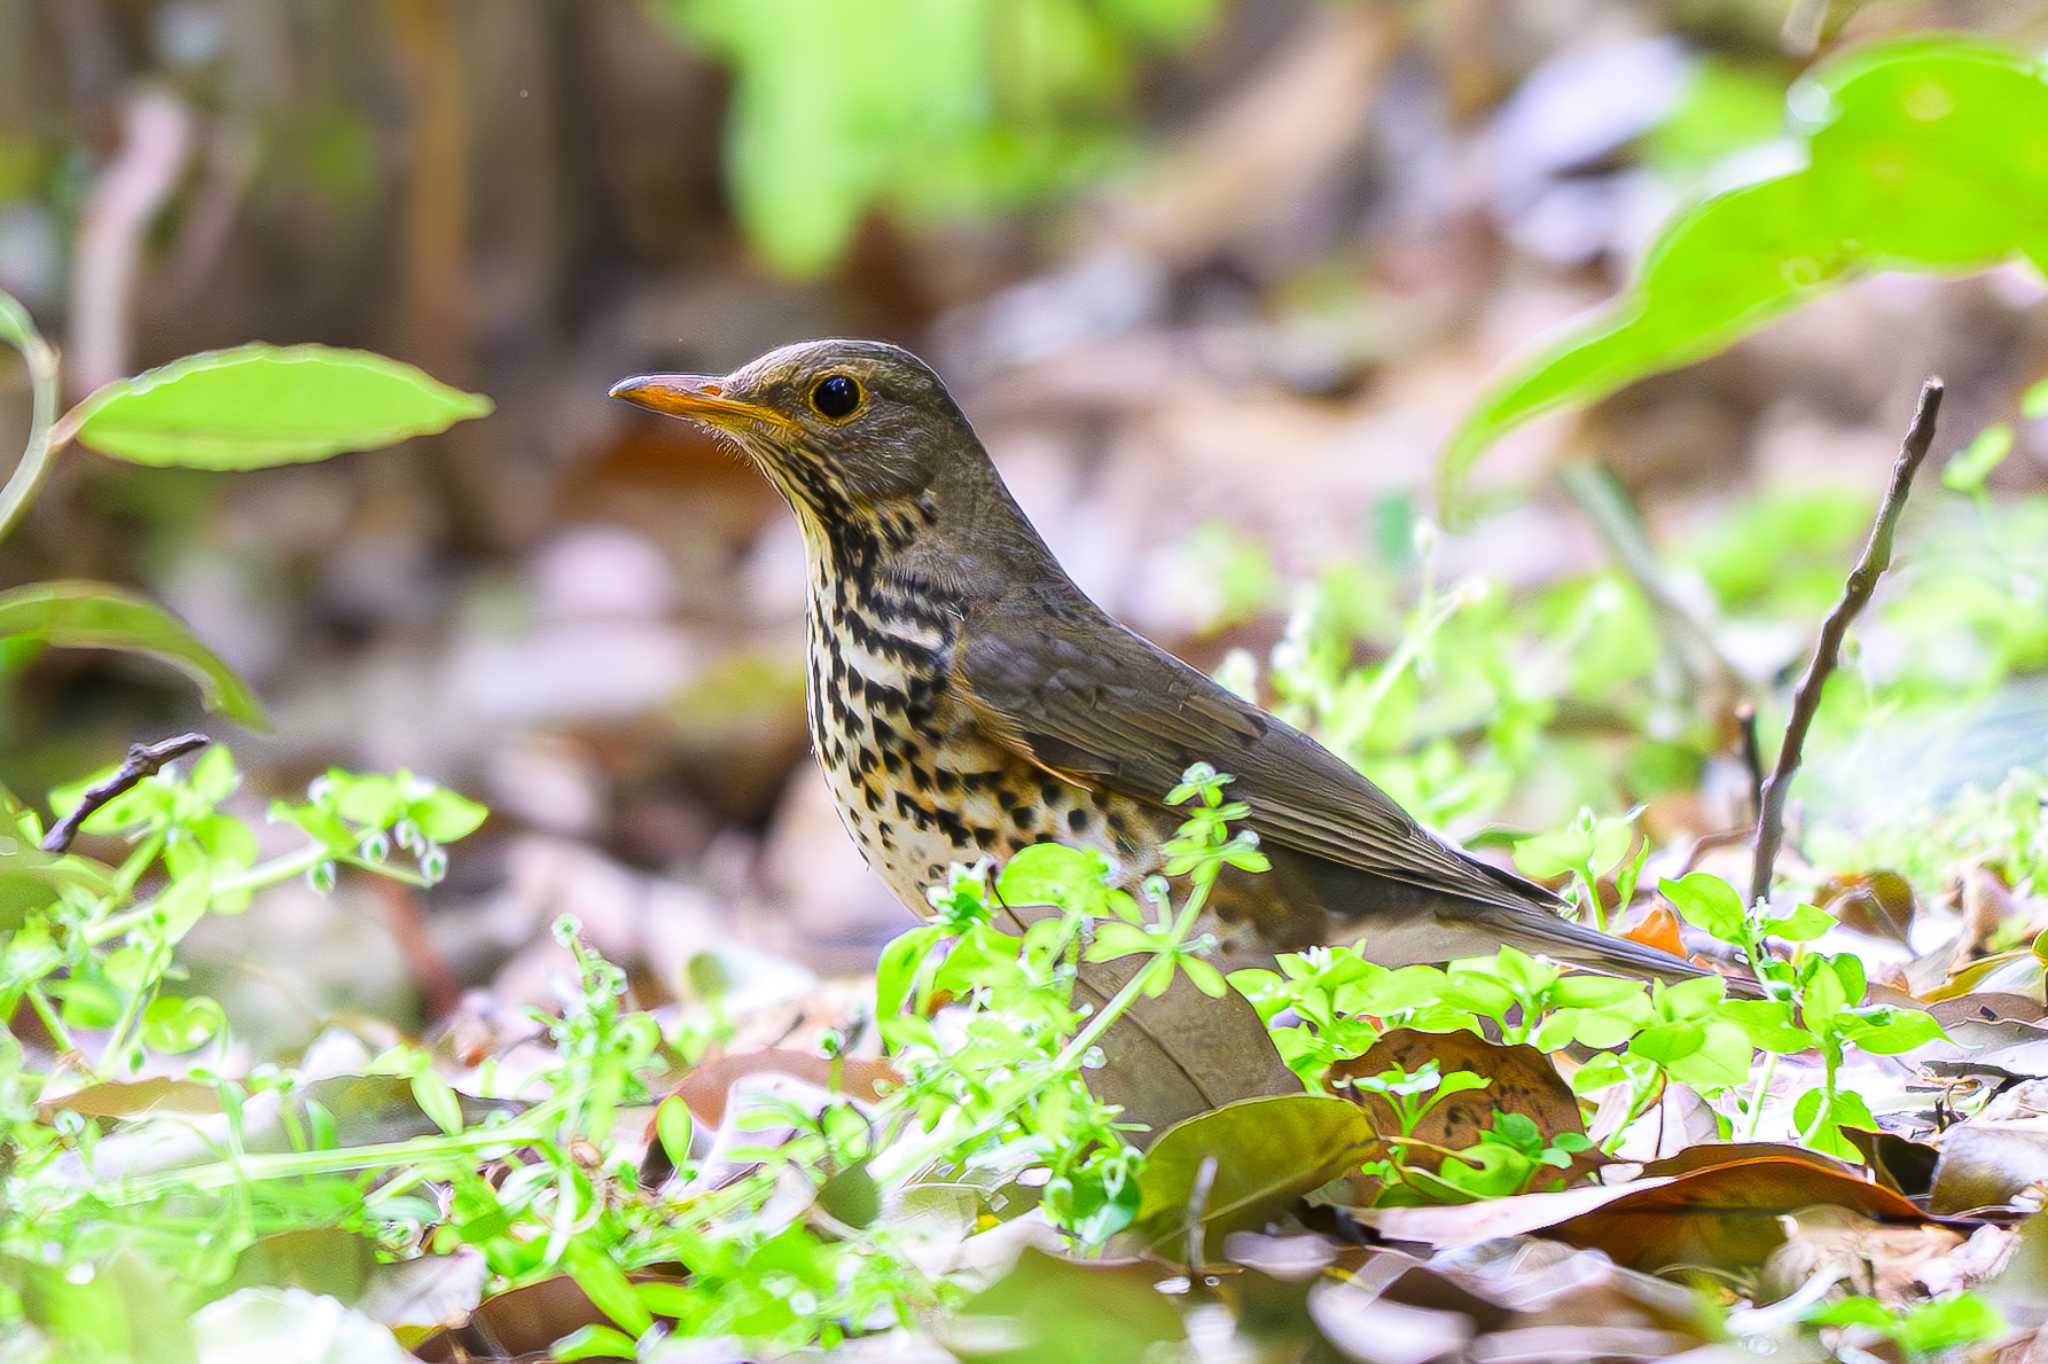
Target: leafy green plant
(247, 408)
(928, 107)
(1924, 153)
(1815, 1002)
(1923, 1330)
(1510, 1153)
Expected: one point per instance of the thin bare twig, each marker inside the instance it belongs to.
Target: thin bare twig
(1752, 757)
(1877, 557)
(143, 760)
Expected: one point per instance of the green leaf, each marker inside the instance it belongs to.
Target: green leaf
(1885, 1031)
(260, 405)
(607, 1286)
(1768, 1025)
(446, 816)
(2034, 402)
(31, 879)
(896, 971)
(675, 1125)
(172, 1025)
(1268, 1153)
(1946, 1323)
(1116, 938)
(1554, 854)
(1803, 924)
(437, 1100)
(1967, 471)
(86, 615)
(1926, 153)
(593, 1342)
(1707, 903)
(1074, 879)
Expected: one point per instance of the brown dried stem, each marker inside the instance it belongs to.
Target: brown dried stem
(143, 760)
(1877, 557)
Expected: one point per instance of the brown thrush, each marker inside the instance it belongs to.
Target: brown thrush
(966, 698)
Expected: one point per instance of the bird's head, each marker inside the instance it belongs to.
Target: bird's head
(842, 428)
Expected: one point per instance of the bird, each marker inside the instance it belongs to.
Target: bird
(966, 699)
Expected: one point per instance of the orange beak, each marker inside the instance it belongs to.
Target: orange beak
(695, 396)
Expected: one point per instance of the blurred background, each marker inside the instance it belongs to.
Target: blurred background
(1215, 281)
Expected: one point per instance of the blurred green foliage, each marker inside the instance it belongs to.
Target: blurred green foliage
(1921, 154)
(926, 107)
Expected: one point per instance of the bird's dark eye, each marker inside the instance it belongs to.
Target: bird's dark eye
(836, 395)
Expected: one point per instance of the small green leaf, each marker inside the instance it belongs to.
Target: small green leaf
(1768, 1025)
(1074, 879)
(1204, 977)
(1885, 1031)
(593, 1342)
(446, 816)
(2034, 402)
(171, 1025)
(675, 1125)
(1115, 938)
(86, 615)
(1972, 465)
(1707, 903)
(260, 405)
(437, 1100)
(1946, 1323)
(1803, 924)
(608, 1287)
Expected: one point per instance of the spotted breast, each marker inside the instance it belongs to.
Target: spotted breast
(917, 784)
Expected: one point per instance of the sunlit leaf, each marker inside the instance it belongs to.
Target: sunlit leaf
(1267, 1153)
(1921, 154)
(259, 405)
(86, 615)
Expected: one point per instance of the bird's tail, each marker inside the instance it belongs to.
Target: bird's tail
(1538, 930)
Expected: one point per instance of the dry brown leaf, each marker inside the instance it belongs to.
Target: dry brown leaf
(520, 1322)
(1879, 903)
(1711, 1206)
(1841, 1246)
(1523, 1080)
(705, 1088)
(1181, 1054)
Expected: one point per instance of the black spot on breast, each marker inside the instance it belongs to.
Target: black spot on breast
(1077, 820)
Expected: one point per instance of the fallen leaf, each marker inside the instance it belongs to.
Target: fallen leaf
(125, 1100)
(1521, 1080)
(705, 1088)
(1710, 1206)
(1879, 903)
(1243, 1165)
(520, 1322)
(1176, 1056)
(1837, 1246)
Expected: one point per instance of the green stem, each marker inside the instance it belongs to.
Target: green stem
(152, 972)
(1593, 895)
(258, 877)
(1756, 1096)
(527, 1129)
(52, 1024)
(18, 329)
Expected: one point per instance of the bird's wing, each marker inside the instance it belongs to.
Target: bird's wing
(1119, 712)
